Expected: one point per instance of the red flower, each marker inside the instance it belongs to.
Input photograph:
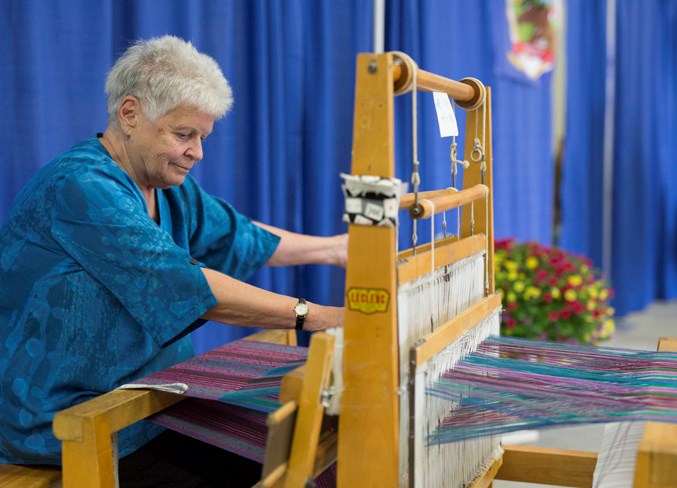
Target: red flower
(540, 276)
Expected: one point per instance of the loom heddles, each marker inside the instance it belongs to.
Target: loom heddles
(423, 305)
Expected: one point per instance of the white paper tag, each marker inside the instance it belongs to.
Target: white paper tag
(374, 212)
(446, 117)
(353, 205)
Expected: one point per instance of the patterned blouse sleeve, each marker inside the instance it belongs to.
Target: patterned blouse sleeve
(100, 219)
(223, 238)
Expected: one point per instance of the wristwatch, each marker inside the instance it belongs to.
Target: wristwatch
(301, 311)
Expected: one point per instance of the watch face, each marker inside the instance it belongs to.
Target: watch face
(301, 309)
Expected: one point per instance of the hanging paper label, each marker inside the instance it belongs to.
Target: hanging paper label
(445, 115)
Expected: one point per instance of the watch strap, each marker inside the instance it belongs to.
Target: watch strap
(300, 319)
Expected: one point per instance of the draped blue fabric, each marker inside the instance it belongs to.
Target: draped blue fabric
(277, 156)
(582, 173)
(643, 223)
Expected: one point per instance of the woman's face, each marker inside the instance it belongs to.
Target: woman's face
(162, 153)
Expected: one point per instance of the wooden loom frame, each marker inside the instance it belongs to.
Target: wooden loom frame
(86, 428)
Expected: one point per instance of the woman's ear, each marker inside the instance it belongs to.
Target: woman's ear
(129, 113)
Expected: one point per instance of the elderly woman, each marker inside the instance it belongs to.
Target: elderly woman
(112, 254)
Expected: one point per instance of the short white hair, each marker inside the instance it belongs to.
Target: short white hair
(163, 73)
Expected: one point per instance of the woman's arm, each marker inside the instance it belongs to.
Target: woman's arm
(242, 304)
(296, 249)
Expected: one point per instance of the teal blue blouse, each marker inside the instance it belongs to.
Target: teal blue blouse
(94, 293)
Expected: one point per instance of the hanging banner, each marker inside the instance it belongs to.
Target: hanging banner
(533, 26)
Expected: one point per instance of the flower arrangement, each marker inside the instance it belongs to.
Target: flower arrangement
(549, 294)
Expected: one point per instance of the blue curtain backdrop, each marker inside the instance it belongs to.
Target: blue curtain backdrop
(644, 188)
(278, 154)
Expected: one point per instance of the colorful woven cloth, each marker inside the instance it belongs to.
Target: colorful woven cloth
(245, 373)
(232, 389)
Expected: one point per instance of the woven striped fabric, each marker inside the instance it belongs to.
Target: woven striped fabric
(232, 389)
(245, 373)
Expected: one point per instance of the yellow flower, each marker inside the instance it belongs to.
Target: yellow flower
(608, 326)
(591, 305)
(593, 291)
(512, 276)
(518, 286)
(531, 262)
(575, 280)
(511, 265)
(532, 292)
(570, 295)
(603, 294)
(511, 297)
(555, 292)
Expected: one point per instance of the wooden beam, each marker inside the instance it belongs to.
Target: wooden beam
(447, 251)
(446, 334)
(560, 467)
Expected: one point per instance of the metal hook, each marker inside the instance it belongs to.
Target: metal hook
(477, 152)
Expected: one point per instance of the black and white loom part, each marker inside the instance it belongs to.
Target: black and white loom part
(372, 200)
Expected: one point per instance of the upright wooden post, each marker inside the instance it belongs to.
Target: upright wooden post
(368, 426)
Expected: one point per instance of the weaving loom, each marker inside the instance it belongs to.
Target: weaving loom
(378, 439)
(398, 336)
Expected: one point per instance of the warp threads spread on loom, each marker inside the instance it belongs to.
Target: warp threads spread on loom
(510, 384)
